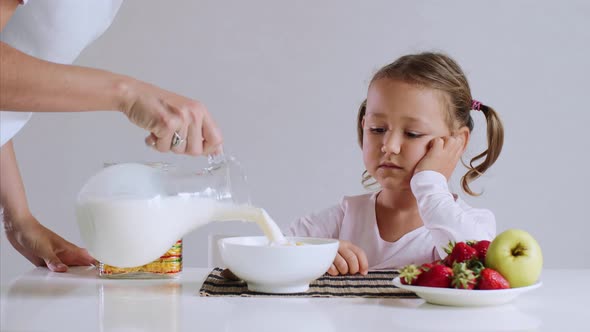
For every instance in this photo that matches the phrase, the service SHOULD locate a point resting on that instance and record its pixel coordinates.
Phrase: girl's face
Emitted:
(400, 121)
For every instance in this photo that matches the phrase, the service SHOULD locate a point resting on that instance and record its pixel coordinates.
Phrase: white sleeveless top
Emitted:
(56, 31)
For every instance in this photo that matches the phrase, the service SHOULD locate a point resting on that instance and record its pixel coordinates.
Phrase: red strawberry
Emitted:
(437, 262)
(436, 276)
(409, 274)
(463, 276)
(427, 266)
(482, 249)
(492, 279)
(461, 252)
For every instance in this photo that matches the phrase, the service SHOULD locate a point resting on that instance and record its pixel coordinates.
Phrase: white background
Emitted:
(284, 80)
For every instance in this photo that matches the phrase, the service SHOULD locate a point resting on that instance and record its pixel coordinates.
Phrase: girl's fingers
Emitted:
(437, 144)
(341, 264)
(363, 262)
(333, 271)
(351, 260)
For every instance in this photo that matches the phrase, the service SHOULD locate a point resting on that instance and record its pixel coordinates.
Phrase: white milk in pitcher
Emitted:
(131, 232)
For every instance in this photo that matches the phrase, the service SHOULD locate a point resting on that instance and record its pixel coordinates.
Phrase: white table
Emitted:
(79, 301)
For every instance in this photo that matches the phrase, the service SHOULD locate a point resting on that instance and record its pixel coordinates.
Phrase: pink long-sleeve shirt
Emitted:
(445, 218)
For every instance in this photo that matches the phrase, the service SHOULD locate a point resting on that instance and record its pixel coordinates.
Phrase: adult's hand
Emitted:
(42, 247)
(176, 123)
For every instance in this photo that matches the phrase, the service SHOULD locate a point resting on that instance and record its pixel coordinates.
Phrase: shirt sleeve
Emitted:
(444, 217)
(325, 224)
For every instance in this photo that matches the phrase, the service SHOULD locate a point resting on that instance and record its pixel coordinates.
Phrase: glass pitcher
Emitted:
(168, 266)
(131, 214)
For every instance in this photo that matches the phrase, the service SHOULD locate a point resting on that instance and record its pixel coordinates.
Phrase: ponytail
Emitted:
(495, 137)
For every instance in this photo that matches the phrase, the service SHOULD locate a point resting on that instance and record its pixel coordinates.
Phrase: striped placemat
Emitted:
(374, 284)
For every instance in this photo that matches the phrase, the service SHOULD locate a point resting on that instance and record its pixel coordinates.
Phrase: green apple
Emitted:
(517, 256)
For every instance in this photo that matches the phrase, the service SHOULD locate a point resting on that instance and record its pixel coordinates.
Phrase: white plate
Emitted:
(466, 297)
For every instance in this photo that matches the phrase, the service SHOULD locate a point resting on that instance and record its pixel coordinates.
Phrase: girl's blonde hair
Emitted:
(438, 71)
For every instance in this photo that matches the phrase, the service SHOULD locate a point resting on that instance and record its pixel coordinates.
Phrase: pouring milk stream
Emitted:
(125, 206)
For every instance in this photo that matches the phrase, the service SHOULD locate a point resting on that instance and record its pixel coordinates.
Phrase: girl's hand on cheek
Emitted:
(442, 155)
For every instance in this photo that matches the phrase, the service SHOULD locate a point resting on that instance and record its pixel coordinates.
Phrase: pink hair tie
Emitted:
(475, 105)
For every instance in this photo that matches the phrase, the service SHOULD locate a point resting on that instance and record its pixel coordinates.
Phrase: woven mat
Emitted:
(375, 284)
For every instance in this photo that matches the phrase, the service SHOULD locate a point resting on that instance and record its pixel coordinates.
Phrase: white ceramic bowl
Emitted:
(277, 269)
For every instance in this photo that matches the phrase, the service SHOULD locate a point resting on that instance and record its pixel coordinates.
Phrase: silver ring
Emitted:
(176, 140)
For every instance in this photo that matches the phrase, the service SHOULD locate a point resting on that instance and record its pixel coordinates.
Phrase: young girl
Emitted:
(413, 128)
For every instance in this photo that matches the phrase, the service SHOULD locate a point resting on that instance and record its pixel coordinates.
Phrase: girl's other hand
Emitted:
(165, 114)
(349, 260)
(442, 156)
(42, 247)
